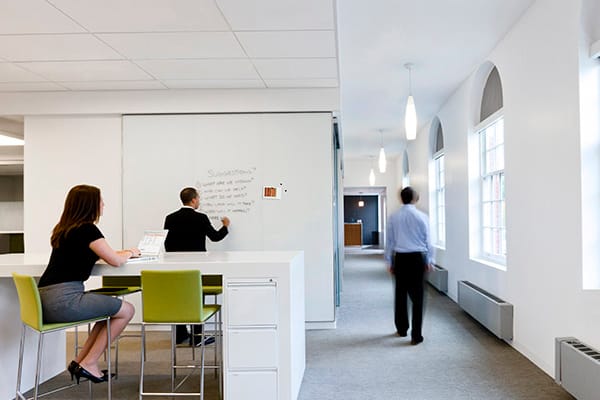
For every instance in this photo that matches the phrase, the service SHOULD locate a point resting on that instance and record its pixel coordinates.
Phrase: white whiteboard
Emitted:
(230, 158)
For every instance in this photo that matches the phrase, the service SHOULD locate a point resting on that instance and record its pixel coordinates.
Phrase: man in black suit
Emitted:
(188, 230)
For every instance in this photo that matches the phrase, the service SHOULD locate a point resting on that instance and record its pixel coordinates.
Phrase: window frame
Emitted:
(439, 191)
(487, 253)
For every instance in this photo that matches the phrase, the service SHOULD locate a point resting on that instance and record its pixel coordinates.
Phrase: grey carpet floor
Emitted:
(364, 359)
(459, 359)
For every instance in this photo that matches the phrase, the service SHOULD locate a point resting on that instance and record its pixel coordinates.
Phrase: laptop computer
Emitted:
(151, 246)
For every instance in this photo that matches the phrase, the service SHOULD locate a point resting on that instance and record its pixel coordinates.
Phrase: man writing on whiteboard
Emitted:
(187, 231)
(189, 228)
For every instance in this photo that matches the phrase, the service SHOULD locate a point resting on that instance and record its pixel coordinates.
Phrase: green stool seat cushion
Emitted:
(119, 285)
(164, 293)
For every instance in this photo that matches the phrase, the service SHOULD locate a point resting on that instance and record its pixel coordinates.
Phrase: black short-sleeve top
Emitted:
(73, 259)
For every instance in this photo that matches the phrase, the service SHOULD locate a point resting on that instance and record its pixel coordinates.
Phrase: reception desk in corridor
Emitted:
(263, 319)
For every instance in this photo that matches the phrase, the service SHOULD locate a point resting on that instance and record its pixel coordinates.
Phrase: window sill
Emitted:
(490, 263)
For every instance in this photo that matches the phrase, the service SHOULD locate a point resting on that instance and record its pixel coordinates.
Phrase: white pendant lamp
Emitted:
(382, 160)
(410, 117)
(372, 177)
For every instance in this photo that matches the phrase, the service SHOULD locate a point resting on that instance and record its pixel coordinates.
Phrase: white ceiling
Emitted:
(359, 46)
(162, 44)
(445, 40)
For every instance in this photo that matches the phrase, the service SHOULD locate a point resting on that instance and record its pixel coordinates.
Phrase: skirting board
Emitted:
(309, 326)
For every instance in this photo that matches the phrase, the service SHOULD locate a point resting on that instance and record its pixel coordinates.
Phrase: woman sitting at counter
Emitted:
(77, 244)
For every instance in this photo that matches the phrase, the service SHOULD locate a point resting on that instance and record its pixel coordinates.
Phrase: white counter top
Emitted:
(253, 281)
(35, 264)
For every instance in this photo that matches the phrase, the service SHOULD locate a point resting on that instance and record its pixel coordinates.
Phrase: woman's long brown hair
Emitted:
(82, 205)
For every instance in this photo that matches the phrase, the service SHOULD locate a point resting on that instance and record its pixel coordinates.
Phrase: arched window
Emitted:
(490, 130)
(492, 100)
(439, 185)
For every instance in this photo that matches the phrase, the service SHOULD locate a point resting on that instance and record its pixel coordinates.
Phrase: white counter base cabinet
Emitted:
(252, 348)
(263, 318)
(252, 303)
(253, 385)
(252, 337)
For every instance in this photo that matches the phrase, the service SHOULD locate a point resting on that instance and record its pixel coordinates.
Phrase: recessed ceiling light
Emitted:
(10, 141)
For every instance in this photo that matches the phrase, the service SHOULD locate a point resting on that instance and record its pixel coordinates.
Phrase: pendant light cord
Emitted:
(409, 66)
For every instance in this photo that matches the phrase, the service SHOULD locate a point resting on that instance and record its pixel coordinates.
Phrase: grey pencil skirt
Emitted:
(68, 302)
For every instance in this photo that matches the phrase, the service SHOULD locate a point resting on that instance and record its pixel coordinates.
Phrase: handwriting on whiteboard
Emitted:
(227, 192)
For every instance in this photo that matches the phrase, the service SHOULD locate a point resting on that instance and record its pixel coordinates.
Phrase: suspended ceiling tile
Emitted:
(144, 15)
(214, 84)
(67, 71)
(200, 69)
(114, 85)
(34, 16)
(12, 73)
(295, 83)
(30, 87)
(175, 45)
(288, 44)
(296, 68)
(55, 48)
(278, 14)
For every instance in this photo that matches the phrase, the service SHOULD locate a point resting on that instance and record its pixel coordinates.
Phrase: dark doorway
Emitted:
(367, 214)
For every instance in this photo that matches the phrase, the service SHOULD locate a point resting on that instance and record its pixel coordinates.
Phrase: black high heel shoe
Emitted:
(105, 375)
(72, 368)
(84, 373)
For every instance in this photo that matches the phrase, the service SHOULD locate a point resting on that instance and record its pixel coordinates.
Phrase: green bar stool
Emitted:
(176, 298)
(118, 286)
(32, 318)
(212, 285)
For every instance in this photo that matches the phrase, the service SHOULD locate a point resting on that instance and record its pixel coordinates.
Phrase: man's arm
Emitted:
(427, 237)
(167, 226)
(212, 233)
(389, 246)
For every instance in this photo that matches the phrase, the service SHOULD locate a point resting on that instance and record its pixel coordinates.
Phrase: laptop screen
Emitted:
(152, 244)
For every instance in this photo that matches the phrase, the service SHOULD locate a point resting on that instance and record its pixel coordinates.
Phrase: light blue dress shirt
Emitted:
(408, 232)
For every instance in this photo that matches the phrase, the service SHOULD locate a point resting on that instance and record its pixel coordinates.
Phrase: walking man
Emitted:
(409, 254)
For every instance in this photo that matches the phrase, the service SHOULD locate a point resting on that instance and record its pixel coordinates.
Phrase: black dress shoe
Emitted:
(84, 373)
(416, 341)
(207, 340)
(181, 334)
(402, 334)
(179, 339)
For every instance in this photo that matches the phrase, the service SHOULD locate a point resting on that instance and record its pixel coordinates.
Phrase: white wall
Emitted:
(356, 174)
(64, 151)
(169, 101)
(419, 154)
(539, 65)
(81, 142)
(275, 147)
